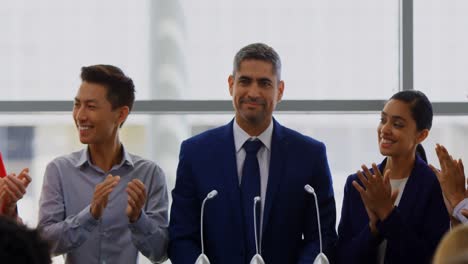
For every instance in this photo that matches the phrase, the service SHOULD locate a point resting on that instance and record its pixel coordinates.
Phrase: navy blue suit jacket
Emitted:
(290, 234)
(412, 230)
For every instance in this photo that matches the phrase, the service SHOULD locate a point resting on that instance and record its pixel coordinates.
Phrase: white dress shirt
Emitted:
(263, 156)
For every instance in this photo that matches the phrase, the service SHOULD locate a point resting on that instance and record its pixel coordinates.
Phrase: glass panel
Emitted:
(184, 49)
(356, 132)
(440, 54)
(350, 140)
(330, 49)
(43, 46)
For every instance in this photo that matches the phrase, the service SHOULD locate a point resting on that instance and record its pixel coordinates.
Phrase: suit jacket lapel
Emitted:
(276, 171)
(409, 198)
(227, 154)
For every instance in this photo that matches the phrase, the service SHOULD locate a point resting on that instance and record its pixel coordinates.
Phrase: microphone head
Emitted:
(257, 199)
(309, 189)
(321, 259)
(257, 259)
(212, 194)
(202, 259)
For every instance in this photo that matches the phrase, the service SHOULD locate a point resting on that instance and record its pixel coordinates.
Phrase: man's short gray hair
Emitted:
(258, 51)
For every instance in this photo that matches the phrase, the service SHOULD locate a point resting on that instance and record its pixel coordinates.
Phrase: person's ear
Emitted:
(123, 114)
(422, 135)
(231, 84)
(280, 91)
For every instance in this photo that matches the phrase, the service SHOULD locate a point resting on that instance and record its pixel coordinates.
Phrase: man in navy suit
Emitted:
(220, 159)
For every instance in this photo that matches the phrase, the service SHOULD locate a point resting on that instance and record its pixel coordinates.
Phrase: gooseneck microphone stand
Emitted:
(257, 258)
(321, 258)
(202, 258)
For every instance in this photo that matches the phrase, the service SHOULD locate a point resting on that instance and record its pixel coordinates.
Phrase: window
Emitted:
(440, 54)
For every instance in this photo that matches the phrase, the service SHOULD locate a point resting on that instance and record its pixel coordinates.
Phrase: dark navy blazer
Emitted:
(290, 235)
(412, 230)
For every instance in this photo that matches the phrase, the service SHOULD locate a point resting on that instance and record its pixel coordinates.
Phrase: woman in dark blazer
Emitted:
(394, 212)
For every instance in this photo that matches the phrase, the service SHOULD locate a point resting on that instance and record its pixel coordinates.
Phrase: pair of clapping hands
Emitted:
(136, 197)
(12, 189)
(379, 199)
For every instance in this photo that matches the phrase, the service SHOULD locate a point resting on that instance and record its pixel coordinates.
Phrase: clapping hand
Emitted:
(376, 193)
(101, 195)
(136, 199)
(12, 189)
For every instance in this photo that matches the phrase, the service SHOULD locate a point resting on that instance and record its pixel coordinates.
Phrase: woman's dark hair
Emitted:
(421, 111)
(21, 245)
(421, 152)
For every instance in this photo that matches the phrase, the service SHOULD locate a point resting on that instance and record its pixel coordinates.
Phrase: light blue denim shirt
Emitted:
(66, 221)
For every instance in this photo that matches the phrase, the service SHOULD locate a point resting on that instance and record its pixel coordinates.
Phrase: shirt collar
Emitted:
(240, 136)
(85, 159)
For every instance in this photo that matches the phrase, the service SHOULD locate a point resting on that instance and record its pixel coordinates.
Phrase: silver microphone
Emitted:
(257, 258)
(203, 259)
(321, 258)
